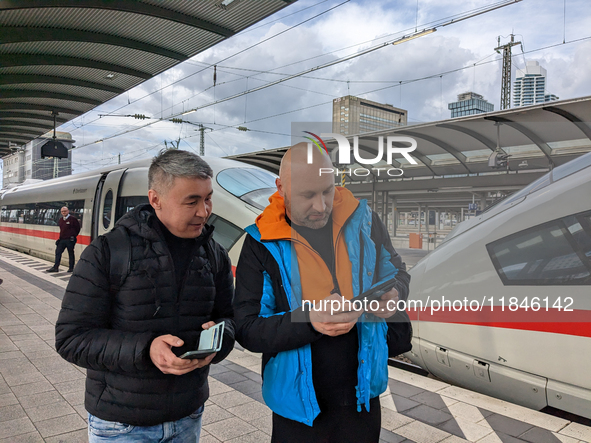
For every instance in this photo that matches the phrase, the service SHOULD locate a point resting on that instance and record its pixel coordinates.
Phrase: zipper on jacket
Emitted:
(184, 280)
(336, 243)
(333, 271)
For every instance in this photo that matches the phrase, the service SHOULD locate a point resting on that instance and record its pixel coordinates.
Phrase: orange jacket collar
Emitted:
(273, 225)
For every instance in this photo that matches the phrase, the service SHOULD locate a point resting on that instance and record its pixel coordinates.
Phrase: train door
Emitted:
(106, 198)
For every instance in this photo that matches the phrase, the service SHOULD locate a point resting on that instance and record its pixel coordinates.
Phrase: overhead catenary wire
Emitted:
(476, 10)
(135, 152)
(332, 63)
(406, 82)
(281, 18)
(396, 83)
(457, 18)
(232, 55)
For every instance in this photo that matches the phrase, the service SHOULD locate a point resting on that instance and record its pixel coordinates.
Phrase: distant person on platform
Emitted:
(69, 229)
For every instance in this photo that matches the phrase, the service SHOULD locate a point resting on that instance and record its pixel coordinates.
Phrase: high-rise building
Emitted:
(530, 86)
(469, 103)
(354, 115)
(26, 162)
(550, 97)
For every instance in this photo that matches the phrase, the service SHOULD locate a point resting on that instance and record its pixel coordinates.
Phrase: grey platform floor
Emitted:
(41, 395)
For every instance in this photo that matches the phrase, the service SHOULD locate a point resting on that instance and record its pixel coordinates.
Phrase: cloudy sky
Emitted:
(422, 75)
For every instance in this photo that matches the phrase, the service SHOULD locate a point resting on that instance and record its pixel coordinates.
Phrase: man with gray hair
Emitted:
(130, 332)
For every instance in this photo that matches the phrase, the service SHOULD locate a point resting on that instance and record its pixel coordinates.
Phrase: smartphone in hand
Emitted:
(374, 293)
(210, 341)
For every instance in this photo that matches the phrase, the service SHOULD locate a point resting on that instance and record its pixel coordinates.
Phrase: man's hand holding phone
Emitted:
(164, 359)
(336, 322)
(386, 305)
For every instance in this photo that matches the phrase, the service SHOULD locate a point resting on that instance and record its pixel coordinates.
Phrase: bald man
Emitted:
(69, 230)
(323, 370)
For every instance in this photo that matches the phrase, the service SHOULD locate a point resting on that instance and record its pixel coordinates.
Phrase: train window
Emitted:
(40, 215)
(126, 204)
(52, 216)
(226, 233)
(30, 214)
(108, 209)
(553, 253)
(254, 186)
(76, 208)
(13, 217)
(45, 213)
(51, 213)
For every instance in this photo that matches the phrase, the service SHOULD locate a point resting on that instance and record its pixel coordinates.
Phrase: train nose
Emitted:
(414, 306)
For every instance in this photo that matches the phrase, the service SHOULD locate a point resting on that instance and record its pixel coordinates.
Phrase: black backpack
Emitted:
(399, 326)
(120, 261)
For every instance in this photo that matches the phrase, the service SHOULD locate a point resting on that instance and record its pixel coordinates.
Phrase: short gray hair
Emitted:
(173, 163)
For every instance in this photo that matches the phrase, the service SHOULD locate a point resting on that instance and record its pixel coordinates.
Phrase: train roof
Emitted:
(564, 171)
(216, 164)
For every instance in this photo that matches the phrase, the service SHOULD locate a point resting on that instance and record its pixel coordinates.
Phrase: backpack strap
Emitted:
(211, 255)
(119, 244)
(400, 330)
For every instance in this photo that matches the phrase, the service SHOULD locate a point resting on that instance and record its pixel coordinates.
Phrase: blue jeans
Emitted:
(185, 430)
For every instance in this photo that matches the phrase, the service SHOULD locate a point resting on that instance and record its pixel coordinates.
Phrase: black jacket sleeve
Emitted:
(223, 309)
(381, 237)
(287, 329)
(82, 334)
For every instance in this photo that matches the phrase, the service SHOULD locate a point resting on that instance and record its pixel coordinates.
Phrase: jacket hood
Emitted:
(142, 221)
(273, 225)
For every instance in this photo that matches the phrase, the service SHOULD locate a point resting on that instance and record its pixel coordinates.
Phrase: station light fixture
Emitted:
(226, 4)
(413, 36)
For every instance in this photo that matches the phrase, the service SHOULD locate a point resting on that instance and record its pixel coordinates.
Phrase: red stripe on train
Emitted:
(576, 322)
(82, 239)
(52, 235)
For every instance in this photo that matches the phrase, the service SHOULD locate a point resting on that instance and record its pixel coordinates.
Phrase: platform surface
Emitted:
(42, 395)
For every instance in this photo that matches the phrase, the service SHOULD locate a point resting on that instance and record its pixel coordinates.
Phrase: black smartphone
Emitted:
(373, 293)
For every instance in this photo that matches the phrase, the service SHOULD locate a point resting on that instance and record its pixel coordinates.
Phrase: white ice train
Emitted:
(527, 262)
(99, 198)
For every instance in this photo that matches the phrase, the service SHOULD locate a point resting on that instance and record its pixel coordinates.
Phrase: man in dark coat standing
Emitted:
(129, 336)
(69, 229)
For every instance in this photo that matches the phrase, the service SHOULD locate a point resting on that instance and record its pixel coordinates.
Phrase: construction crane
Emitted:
(506, 78)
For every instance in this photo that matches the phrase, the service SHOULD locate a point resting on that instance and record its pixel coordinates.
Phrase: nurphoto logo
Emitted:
(344, 154)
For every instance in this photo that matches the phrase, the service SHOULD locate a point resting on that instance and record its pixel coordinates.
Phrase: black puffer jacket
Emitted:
(111, 334)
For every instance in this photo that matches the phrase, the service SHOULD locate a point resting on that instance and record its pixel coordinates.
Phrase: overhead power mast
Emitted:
(506, 78)
(202, 129)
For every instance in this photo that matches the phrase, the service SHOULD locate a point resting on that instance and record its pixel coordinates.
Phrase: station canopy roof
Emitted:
(536, 137)
(70, 56)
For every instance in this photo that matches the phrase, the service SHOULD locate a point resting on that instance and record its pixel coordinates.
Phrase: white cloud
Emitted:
(538, 23)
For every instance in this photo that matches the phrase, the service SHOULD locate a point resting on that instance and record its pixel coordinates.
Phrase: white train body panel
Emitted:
(128, 185)
(540, 360)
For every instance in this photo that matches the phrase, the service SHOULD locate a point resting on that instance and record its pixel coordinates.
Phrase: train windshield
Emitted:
(253, 186)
